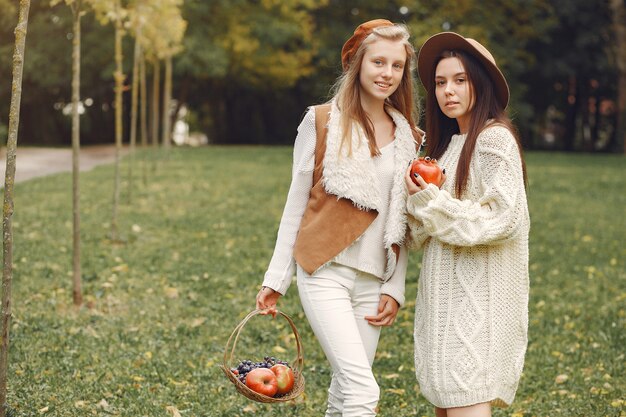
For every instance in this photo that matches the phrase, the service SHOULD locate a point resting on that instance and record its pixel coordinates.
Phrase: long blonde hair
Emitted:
(347, 89)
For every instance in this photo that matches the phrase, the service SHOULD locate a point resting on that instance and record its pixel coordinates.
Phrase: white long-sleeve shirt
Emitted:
(366, 254)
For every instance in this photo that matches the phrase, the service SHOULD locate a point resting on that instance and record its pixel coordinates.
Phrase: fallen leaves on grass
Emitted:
(129, 315)
(198, 321)
(279, 349)
(103, 404)
(173, 411)
(617, 403)
(171, 292)
(398, 391)
(383, 354)
(561, 379)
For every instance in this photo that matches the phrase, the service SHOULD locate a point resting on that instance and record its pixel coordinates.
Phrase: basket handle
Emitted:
(234, 337)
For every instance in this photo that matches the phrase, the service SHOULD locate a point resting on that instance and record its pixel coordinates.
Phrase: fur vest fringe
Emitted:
(354, 177)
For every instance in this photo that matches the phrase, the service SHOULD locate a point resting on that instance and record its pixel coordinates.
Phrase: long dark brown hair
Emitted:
(440, 128)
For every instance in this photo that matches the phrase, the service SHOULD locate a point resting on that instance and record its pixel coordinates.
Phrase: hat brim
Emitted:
(444, 41)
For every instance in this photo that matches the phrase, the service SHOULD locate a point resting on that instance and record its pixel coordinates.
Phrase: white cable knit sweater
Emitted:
(471, 314)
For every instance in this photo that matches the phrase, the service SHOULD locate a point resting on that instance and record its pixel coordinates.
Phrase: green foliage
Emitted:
(572, 62)
(250, 68)
(160, 25)
(109, 11)
(77, 6)
(505, 28)
(196, 244)
(265, 45)
(47, 76)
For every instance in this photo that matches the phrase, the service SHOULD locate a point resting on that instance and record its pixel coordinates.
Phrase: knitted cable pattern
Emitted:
(472, 304)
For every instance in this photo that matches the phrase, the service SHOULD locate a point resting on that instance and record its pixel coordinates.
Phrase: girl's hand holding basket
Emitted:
(266, 301)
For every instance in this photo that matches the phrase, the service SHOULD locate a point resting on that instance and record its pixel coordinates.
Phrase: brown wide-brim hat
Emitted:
(448, 41)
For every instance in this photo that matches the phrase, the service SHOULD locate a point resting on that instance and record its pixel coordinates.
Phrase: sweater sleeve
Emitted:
(496, 215)
(417, 233)
(282, 265)
(394, 286)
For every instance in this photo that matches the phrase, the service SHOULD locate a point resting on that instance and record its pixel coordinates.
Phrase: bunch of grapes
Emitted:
(246, 366)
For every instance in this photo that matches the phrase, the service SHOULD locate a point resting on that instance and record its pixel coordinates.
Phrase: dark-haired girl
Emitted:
(471, 313)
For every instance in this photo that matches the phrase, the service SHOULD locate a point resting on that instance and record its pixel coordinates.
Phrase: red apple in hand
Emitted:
(428, 169)
(263, 381)
(284, 378)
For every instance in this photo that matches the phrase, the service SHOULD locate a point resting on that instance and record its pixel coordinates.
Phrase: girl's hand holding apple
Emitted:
(424, 171)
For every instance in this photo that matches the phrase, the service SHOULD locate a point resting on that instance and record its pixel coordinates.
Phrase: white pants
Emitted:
(335, 301)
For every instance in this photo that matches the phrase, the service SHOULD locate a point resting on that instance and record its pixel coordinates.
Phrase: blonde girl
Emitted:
(344, 224)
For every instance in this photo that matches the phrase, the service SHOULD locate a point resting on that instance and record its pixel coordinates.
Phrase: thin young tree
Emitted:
(77, 12)
(119, 87)
(77, 293)
(172, 38)
(143, 9)
(133, 119)
(162, 39)
(149, 46)
(166, 130)
(7, 212)
(156, 94)
(136, 20)
(143, 101)
(143, 113)
(112, 11)
(618, 7)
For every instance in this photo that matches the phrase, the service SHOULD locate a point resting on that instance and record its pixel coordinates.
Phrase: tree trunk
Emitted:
(133, 114)
(119, 86)
(7, 212)
(143, 114)
(585, 116)
(572, 114)
(76, 276)
(597, 119)
(619, 21)
(156, 81)
(183, 94)
(167, 97)
(143, 101)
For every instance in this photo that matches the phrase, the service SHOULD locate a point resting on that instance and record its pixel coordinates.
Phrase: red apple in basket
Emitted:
(284, 378)
(428, 169)
(263, 381)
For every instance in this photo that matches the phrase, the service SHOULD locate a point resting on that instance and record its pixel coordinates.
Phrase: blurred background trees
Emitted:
(246, 70)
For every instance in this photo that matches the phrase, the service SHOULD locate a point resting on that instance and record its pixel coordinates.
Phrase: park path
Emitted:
(39, 162)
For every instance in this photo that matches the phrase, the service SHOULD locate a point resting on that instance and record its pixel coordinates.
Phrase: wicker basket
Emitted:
(296, 365)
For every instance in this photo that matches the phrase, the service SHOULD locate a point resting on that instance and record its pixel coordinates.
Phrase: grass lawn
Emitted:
(196, 241)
